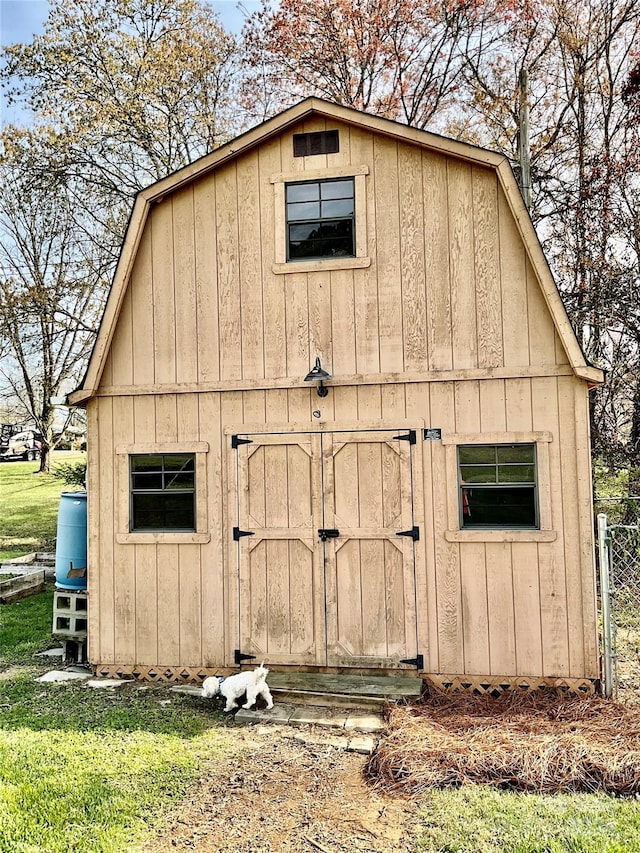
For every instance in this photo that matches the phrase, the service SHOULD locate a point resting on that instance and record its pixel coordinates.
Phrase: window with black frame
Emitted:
(497, 486)
(320, 219)
(162, 491)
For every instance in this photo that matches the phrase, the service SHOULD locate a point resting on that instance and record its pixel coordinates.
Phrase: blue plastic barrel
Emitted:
(71, 542)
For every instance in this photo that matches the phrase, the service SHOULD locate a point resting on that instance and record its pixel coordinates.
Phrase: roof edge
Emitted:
(540, 264)
(292, 115)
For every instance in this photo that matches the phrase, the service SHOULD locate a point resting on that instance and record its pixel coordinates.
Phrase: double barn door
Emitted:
(326, 541)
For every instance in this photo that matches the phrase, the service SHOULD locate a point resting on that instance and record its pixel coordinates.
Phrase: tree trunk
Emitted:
(45, 458)
(633, 489)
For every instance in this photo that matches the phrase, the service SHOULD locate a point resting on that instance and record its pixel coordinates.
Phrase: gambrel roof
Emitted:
(318, 108)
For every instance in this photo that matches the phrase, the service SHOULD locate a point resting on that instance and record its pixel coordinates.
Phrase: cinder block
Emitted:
(70, 613)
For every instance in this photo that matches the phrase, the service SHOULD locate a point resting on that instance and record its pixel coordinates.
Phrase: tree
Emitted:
(51, 286)
(398, 58)
(134, 89)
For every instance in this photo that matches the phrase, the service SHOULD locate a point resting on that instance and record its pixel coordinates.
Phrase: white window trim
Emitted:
(454, 532)
(361, 259)
(201, 533)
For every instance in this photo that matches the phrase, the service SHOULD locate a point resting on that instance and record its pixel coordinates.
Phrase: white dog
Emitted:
(252, 682)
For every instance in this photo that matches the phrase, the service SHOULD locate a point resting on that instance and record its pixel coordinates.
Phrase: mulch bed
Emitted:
(542, 742)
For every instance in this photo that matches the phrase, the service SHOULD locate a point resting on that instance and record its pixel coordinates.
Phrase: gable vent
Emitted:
(322, 142)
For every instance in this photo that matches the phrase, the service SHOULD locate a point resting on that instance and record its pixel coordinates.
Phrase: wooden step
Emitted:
(344, 691)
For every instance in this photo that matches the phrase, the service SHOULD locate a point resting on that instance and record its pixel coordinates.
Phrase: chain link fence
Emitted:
(619, 562)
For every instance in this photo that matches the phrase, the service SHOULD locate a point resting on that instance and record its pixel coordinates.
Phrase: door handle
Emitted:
(328, 533)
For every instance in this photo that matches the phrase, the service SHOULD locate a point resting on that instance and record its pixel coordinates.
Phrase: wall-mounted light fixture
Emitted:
(319, 375)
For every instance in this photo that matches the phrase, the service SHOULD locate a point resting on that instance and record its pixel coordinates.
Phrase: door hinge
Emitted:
(414, 533)
(238, 657)
(328, 533)
(417, 661)
(238, 534)
(236, 441)
(410, 437)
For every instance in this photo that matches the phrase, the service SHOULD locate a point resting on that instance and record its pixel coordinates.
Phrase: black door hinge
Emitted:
(414, 533)
(238, 534)
(328, 533)
(238, 657)
(410, 437)
(417, 661)
(236, 441)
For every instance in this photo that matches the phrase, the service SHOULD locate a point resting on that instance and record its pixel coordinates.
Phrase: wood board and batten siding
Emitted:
(445, 326)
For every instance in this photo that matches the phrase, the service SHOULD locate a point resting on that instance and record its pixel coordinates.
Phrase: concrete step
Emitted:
(341, 722)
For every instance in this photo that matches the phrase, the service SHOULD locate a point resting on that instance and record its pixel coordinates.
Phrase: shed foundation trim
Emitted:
(495, 685)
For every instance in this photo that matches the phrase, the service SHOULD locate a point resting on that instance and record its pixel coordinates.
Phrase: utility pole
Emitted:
(523, 139)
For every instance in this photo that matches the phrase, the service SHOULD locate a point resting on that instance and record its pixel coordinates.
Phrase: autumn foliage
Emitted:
(402, 59)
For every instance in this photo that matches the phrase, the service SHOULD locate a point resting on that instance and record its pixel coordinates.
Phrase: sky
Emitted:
(20, 20)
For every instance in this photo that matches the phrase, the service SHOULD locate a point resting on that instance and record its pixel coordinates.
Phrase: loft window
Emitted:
(162, 492)
(322, 142)
(320, 219)
(497, 486)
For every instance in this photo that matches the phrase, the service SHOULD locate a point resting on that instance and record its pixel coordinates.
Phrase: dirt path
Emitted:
(284, 794)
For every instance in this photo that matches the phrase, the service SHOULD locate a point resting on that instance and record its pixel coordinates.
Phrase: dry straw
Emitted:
(541, 742)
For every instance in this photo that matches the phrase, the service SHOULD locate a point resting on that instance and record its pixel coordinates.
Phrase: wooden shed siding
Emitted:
(140, 339)
(435, 192)
(229, 307)
(206, 307)
(388, 262)
(412, 259)
(461, 259)
(214, 592)
(448, 591)
(273, 307)
(186, 317)
(513, 285)
(366, 309)
(487, 269)
(483, 607)
(250, 259)
(449, 287)
(163, 305)
(445, 289)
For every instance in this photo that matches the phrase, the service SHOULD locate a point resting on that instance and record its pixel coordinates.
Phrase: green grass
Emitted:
(478, 819)
(25, 628)
(29, 506)
(89, 770)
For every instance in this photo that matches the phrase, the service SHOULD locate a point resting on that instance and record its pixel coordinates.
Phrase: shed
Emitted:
(426, 507)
